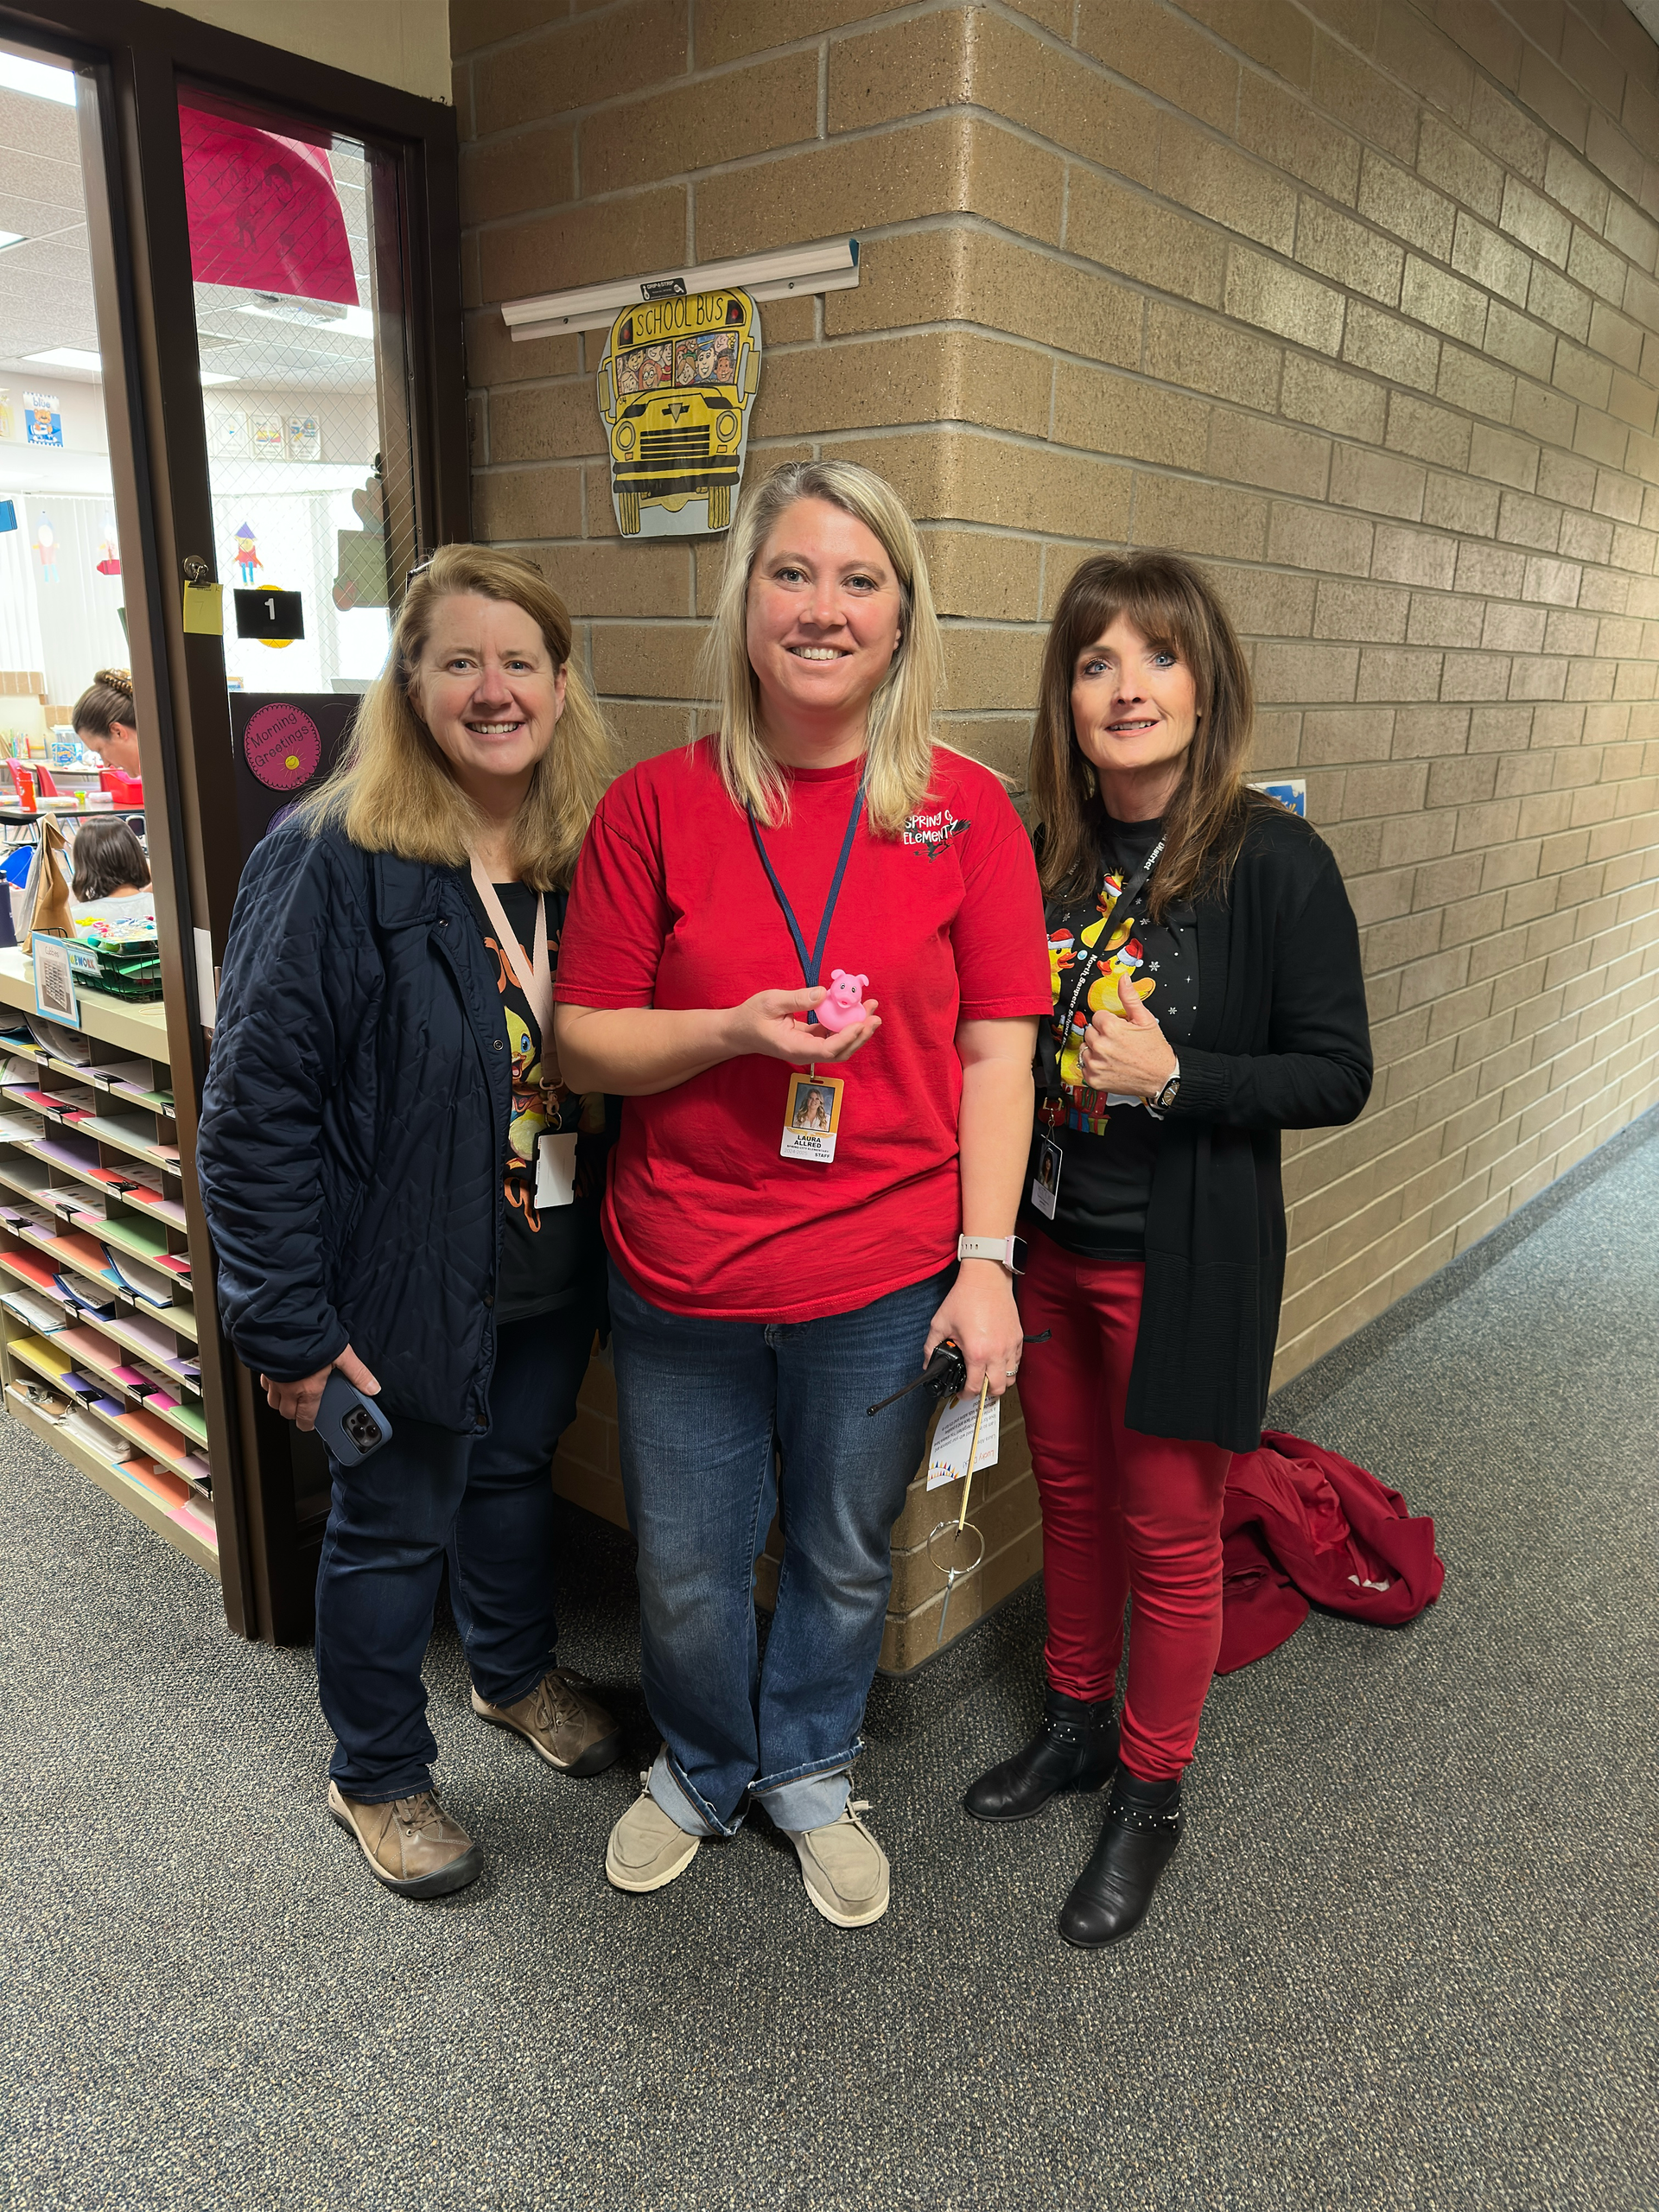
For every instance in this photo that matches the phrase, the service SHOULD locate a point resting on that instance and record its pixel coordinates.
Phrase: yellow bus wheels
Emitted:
(627, 512)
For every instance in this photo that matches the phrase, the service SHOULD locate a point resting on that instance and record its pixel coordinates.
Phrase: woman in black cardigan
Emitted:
(1207, 994)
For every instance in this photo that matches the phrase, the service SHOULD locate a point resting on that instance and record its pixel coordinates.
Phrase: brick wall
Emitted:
(1356, 301)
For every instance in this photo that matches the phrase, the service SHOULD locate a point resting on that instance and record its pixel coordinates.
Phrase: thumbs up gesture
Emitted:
(1127, 1052)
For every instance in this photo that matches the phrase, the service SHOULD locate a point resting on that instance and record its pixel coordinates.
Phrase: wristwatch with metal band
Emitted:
(1009, 1252)
(1166, 1096)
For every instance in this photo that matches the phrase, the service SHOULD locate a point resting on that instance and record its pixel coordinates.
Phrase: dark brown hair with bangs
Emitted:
(1171, 606)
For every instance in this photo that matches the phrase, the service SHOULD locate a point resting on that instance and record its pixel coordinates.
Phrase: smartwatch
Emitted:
(1167, 1096)
(1009, 1252)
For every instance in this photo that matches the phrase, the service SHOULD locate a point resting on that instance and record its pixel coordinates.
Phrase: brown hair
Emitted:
(106, 855)
(1169, 602)
(393, 792)
(106, 700)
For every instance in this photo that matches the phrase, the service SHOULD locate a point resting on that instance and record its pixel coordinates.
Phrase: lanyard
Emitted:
(1130, 891)
(810, 971)
(535, 979)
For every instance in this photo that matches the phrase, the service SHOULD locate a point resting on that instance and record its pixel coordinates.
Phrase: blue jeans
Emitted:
(701, 1405)
(484, 1501)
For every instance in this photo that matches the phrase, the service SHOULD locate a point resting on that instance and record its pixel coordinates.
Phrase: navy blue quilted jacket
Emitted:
(353, 1125)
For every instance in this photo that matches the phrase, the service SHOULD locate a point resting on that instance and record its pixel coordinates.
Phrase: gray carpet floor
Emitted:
(1405, 1958)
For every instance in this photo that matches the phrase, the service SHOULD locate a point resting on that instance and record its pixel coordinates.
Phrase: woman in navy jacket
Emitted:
(400, 1188)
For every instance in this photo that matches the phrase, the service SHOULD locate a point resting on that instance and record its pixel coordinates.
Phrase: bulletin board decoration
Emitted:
(263, 211)
(43, 418)
(227, 433)
(268, 437)
(304, 438)
(275, 736)
(246, 556)
(360, 580)
(360, 577)
(283, 745)
(46, 544)
(108, 562)
(677, 384)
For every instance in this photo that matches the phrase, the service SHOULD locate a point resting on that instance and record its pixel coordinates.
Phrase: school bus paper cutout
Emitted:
(677, 381)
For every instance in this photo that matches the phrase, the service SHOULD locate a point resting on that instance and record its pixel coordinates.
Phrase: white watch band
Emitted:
(987, 1248)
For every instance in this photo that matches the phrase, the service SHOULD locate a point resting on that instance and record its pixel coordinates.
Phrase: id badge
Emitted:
(556, 1169)
(1046, 1183)
(812, 1117)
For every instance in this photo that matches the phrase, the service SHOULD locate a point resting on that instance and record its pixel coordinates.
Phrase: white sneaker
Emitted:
(844, 1867)
(646, 1849)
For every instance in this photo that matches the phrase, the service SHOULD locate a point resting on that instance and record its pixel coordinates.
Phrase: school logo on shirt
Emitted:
(934, 830)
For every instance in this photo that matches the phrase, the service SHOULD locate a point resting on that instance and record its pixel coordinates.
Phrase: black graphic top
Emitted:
(546, 1257)
(1110, 1149)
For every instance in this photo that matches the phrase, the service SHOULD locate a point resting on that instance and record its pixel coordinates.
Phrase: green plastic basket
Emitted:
(130, 971)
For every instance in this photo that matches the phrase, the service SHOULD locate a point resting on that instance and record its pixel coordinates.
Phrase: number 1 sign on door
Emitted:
(275, 618)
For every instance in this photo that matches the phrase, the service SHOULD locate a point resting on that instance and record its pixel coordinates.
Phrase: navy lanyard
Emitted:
(810, 974)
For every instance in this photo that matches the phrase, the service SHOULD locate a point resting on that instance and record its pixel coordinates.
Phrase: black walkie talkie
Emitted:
(945, 1375)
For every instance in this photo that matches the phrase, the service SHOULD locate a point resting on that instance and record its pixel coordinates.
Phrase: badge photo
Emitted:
(811, 1117)
(1046, 1183)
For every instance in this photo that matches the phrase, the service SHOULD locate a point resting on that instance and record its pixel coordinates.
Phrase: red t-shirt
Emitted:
(671, 907)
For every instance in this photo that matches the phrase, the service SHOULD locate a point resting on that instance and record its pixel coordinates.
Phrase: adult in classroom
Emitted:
(1207, 994)
(106, 721)
(402, 1190)
(770, 1280)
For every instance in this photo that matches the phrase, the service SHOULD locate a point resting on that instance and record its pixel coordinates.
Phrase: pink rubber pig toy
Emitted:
(844, 1007)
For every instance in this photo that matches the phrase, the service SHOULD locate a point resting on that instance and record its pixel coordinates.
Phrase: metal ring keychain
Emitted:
(954, 1574)
(947, 1372)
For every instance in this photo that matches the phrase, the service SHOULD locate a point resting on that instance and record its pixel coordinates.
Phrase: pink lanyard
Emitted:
(535, 981)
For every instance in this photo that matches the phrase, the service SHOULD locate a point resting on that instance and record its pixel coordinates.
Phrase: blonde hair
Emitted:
(899, 731)
(106, 700)
(394, 790)
(1172, 604)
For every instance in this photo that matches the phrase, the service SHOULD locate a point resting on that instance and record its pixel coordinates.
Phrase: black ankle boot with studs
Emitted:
(1138, 1838)
(1075, 1748)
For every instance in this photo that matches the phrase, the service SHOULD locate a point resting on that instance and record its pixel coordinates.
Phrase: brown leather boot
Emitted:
(563, 1720)
(411, 1844)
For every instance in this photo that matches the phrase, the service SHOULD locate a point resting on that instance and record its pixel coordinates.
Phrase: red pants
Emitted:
(1123, 1515)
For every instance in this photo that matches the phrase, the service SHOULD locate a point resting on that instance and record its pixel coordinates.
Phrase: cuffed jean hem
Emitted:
(674, 1796)
(815, 1802)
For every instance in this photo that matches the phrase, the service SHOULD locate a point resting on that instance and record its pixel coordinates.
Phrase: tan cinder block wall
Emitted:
(1356, 301)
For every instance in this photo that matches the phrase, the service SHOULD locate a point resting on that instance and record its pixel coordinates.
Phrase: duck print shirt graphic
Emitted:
(546, 1253)
(1109, 1140)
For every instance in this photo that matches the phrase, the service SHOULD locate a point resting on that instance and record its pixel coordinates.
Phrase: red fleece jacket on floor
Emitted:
(1300, 1523)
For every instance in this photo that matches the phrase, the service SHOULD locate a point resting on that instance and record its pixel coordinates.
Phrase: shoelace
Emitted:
(418, 1812)
(556, 1700)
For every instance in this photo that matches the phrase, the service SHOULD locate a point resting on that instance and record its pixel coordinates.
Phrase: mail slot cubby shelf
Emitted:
(98, 1318)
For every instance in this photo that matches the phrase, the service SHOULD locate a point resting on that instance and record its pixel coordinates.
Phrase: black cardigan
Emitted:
(1281, 1041)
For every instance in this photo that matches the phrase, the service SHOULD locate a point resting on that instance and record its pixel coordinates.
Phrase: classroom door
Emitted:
(275, 249)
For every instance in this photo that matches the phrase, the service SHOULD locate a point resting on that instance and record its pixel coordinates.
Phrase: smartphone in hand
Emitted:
(351, 1425)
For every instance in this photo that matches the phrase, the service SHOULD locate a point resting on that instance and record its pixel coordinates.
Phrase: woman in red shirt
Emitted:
(770, 1278)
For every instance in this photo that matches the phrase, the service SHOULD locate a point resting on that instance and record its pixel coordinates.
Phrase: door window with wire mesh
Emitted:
(294, 247)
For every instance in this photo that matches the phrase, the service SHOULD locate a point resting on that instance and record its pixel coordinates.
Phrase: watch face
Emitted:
(1018, 1255)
